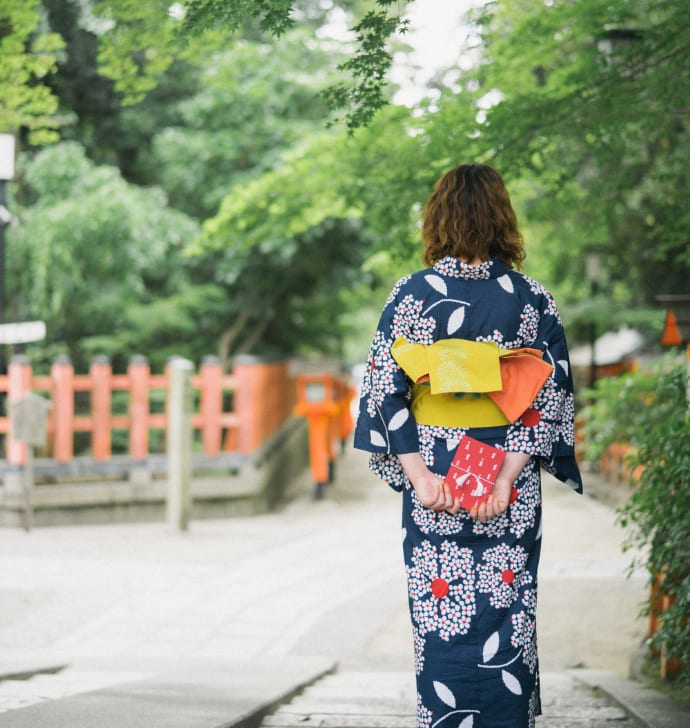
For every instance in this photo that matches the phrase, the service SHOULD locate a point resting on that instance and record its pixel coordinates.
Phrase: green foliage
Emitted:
(364, 95)
(136, 46)
(252, 102)
(231, 126)
(650, 411)
(180, 323)
(606, 177)
(626, 407)
(388, 175)
(91, 247)
(99, 259)
(273, 15)
(284, 244)
(29, 54)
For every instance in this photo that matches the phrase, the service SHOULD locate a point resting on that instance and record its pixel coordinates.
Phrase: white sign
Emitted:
(22, 333)
(6, 157)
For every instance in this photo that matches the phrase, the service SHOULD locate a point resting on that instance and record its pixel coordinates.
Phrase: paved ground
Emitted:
(139, 625)
(357, 699)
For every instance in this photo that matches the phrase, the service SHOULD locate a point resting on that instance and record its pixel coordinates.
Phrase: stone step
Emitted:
(351, 699)
(195, 694)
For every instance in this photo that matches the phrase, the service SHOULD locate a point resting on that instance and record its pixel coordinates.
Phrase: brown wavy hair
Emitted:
(469, 216)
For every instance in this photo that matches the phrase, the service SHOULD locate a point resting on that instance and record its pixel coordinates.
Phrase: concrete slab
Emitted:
(202, 695)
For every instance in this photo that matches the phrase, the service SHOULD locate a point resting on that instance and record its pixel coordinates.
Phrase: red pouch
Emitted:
(473, 471)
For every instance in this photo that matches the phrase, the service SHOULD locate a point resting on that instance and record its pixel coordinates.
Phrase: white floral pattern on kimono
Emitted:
(472, 586)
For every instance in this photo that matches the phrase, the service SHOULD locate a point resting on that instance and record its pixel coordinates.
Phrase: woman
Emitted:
(472, 576)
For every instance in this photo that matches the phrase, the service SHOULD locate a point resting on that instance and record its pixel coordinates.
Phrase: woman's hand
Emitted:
(499, 499)
(430, 488)
(497, 502)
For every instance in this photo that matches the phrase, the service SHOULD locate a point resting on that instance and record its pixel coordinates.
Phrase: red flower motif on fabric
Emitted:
(502, 574)
(530, 417)
(441, 586)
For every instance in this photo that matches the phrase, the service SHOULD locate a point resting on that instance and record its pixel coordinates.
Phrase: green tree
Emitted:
(236, 106)
(135, 44)
(358, 97)
(29, 54)
(597, 119)
(284, 245)
(91, 252)
(252, 101)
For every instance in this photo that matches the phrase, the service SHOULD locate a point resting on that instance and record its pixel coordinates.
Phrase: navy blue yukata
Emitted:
(472, 586)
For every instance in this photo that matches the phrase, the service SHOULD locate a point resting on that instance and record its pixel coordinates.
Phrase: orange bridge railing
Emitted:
(234, 412)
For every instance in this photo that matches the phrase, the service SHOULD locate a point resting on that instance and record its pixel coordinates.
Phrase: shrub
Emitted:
(650, 411)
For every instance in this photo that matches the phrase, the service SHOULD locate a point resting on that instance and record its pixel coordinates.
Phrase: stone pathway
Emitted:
(111, 610)
(358, 699)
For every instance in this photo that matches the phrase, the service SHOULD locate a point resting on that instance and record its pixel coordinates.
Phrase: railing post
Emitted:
(250, 384)
(62, 373)
(687, 381)
(264, 397)
(211, 404)
(179, 443)
(101, 373)
(18, 383)
(139, 374)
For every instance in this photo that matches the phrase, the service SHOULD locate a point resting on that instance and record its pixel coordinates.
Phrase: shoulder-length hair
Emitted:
(469, 216)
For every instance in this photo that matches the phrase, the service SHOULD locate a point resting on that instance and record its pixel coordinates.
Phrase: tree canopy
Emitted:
(209, 126)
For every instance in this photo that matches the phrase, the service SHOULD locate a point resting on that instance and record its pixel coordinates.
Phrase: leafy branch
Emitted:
(368, 67)
(360, 97)
(202, 15)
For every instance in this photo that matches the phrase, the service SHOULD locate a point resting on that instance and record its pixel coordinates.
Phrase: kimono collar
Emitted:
(454, 268)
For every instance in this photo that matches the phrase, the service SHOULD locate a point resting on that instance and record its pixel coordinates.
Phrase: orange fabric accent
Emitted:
(524, 373)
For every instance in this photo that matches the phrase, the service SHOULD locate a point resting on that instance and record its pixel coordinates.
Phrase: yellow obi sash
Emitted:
(462, 383)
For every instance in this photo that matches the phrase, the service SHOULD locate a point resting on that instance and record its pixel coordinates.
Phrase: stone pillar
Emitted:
(179, 444)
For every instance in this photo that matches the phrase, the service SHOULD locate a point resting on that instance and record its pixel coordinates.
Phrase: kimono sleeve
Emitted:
(547, 428)
(385, 425)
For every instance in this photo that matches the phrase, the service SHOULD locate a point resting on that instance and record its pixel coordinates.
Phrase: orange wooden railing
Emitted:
(263, 395)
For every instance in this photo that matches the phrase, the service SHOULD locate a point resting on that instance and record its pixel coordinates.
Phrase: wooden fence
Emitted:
(233, 412)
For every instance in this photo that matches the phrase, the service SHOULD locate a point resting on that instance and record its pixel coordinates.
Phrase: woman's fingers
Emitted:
(455, 507)
(490, 509)
(436, 495)
(445, 499)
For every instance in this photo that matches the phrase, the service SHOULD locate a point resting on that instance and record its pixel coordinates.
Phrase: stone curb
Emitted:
(203, 695)
(650, 707)
(26, 669)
